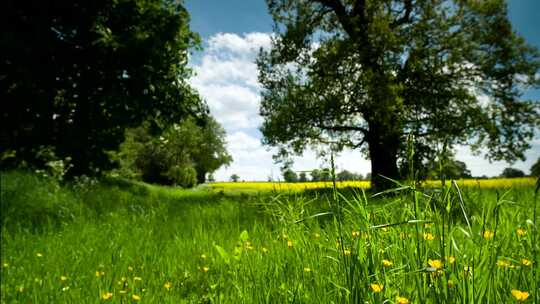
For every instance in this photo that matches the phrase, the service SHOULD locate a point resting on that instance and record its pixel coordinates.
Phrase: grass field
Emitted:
(121, 242)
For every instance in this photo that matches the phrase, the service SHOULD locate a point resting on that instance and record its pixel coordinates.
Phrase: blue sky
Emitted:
(232, 33)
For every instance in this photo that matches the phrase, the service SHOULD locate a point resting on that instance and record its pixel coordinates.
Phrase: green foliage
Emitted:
(512, 172)
(75, 74)
(182, 154)
(235, 177)
(320, 175)
(351, 73)
(346, 175)
(184, 176)
(290, 176)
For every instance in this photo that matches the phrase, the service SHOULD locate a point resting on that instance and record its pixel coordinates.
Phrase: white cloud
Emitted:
(226, 77)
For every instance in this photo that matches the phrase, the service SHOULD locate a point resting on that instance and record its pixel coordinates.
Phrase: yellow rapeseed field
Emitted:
(300, 186)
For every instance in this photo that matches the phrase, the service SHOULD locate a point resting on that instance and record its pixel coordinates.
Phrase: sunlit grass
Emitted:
(119, 242)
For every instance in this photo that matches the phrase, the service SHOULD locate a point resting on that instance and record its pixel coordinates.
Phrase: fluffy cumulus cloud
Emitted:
(226, 77)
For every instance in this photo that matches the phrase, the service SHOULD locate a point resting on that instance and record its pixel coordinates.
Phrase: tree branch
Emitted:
(406, 17)
(341, 13)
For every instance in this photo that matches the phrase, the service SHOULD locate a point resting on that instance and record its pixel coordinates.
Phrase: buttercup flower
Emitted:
(428, 237)
(488, 234)
(437, 264)
(526, 262)
(387, 263)
(402, 300)
(521, 296)
(376, 288)
(106, 296)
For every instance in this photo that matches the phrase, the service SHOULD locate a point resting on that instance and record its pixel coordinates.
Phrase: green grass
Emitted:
(118, 236)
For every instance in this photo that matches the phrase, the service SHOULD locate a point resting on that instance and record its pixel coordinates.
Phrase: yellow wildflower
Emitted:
(521, 296)
(130, 268)
(307, 269)
(451, 259)
(289, 243)
(66, 288)
(437, 264)
(137, 279)
(203, 256)
(63, 278)
(167, 285)
(503, 264)
(135, 297)
(355, 234)
(402, 300)
(376, 287)
(205, 269)
(521, 232)
(387, 263)
(384, 229)
(526, 262)
(346, 252)
(100, 273)
(316, 235)
(488, 234)
(21, 289)
(39, 255)
(106, 296)
(264, 249)
(428, 237)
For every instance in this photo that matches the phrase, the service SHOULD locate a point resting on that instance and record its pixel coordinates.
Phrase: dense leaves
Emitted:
(512, 172)
(74, 74)
(182, 154)
(367, 74)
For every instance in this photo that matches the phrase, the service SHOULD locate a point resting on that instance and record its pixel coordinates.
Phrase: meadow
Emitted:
(119, 241)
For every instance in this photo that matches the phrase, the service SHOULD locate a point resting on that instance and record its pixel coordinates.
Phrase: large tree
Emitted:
(365, 74)
(75, 73)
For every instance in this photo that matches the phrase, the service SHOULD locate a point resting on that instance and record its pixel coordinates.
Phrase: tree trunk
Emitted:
(383, 150)
(201, 177)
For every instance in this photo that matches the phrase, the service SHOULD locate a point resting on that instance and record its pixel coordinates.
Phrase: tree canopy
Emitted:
(182, 154)
(75, 73)
(512, 172)
(367, 74)
(289, 176)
